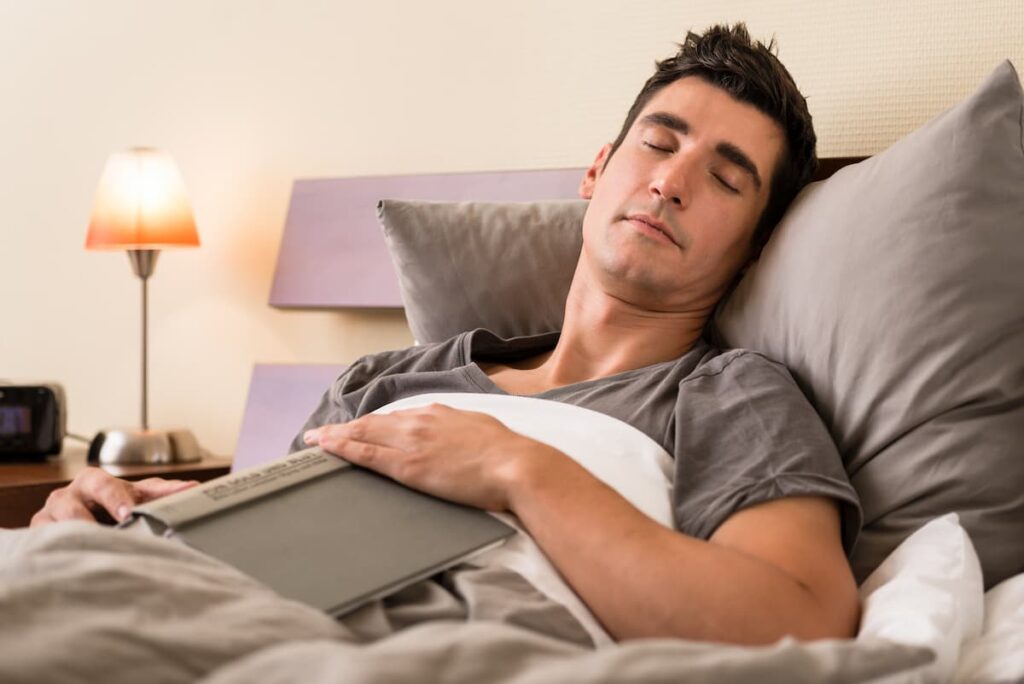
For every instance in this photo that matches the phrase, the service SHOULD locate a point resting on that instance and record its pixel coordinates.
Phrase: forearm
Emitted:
(641, 579)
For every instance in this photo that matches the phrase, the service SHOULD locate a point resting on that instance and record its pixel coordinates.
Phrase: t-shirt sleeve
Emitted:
(328, 410)
(745, 434)
(339, 403)
(368, 383)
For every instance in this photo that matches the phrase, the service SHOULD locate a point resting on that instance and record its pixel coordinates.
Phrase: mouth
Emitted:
(652, 227)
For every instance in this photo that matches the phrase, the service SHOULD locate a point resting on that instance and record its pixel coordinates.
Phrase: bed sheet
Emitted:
(83, 602)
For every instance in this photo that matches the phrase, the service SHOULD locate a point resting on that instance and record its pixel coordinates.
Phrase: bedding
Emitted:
(997, 654)
(922, 618)
(122, 608)
(928, 592)
(88, 603)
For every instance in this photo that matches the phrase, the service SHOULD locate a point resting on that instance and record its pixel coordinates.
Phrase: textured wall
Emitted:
(250, 95)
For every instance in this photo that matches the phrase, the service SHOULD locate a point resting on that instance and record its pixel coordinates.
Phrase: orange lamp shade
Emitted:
(141, 204)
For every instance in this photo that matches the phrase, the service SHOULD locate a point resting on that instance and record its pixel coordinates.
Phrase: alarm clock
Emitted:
(33, 419)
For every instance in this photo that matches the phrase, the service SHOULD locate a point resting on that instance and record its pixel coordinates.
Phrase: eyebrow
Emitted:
(724, 148)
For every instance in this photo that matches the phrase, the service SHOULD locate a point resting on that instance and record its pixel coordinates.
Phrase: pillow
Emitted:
(465, 265)
(928, 592)
(894, 292)
(996, 656)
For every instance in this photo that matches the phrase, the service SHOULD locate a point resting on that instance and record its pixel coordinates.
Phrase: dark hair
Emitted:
(726, 58)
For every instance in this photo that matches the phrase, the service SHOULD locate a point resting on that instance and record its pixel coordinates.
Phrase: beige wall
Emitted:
(249, 95)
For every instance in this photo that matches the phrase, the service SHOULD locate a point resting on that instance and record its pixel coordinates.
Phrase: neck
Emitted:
(603, 335)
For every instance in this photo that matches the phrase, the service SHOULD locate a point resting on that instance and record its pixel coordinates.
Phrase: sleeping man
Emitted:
(714, 148)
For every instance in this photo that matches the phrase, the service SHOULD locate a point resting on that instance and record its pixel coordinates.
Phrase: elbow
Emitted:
(848, 618)
(814, 620)
(833, 617)
(824, 620)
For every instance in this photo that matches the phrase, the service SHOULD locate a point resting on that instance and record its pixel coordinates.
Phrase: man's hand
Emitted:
(94, 492)
(463, 456)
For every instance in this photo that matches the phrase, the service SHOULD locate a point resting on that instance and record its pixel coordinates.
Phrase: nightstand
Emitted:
(25, 486)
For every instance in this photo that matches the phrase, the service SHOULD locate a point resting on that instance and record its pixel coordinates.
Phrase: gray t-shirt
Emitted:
(740, 430)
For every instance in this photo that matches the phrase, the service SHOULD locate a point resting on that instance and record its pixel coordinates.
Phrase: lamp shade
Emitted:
(141, 204)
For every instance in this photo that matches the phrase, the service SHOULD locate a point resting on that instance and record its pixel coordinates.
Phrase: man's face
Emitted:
(672, 214)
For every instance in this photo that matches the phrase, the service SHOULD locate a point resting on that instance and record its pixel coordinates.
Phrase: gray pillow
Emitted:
(465, 265)
(894, 291)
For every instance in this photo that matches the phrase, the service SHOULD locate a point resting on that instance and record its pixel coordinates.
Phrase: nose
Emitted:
(669, 183)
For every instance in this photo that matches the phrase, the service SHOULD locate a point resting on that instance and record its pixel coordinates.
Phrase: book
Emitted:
(321, 530)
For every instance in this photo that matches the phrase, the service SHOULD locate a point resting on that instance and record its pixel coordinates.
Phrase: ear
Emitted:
(586, 189)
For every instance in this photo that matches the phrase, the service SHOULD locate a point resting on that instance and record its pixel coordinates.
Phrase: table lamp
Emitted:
(141, 207)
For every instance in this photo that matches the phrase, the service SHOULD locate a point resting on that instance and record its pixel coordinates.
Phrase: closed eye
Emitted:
(656, 147)
(727, 186)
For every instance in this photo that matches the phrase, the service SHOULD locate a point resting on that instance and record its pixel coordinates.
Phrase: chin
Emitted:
(637, 285)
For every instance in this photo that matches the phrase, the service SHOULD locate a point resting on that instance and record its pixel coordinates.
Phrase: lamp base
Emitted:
(123, 446)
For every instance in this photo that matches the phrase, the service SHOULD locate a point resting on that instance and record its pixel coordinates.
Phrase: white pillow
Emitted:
(998, 654)
(928, 592)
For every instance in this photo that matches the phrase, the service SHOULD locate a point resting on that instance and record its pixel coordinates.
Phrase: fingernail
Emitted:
(310, 436)
(122, 512)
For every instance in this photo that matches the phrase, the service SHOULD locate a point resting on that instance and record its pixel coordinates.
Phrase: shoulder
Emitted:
(738, 374)
(742, 392)
(731, 363)
(419, 358)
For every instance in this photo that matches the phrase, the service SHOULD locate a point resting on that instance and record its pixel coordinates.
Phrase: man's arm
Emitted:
(773, 569)
(770, 570)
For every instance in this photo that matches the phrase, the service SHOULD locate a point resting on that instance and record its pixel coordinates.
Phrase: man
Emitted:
(714, 148)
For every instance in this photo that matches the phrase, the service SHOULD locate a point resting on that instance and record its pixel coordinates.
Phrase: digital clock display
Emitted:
(15, 420)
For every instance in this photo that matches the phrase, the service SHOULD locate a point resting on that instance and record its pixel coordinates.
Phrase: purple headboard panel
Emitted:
(333, 253)
(281, 397)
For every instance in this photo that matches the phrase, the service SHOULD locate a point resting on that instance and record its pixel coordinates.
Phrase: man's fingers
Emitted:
(95, 494)
(41, 518)
(383, 459)
(156, 487)
(63, 505)
(401, 430)
(75, 510)
(375, 429)
(97, 488)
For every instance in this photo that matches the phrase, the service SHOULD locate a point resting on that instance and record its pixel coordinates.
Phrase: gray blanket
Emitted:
(84, 603)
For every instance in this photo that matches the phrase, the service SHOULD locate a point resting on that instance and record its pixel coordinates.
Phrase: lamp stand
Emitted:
(144, 446)
(143, 262)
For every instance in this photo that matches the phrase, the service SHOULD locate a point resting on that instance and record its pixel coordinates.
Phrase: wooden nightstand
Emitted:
(25, 486)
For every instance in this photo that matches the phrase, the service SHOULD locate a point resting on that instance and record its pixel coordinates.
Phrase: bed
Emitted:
(892, 290)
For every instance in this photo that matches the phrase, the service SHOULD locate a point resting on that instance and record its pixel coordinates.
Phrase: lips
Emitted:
(654, 224)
